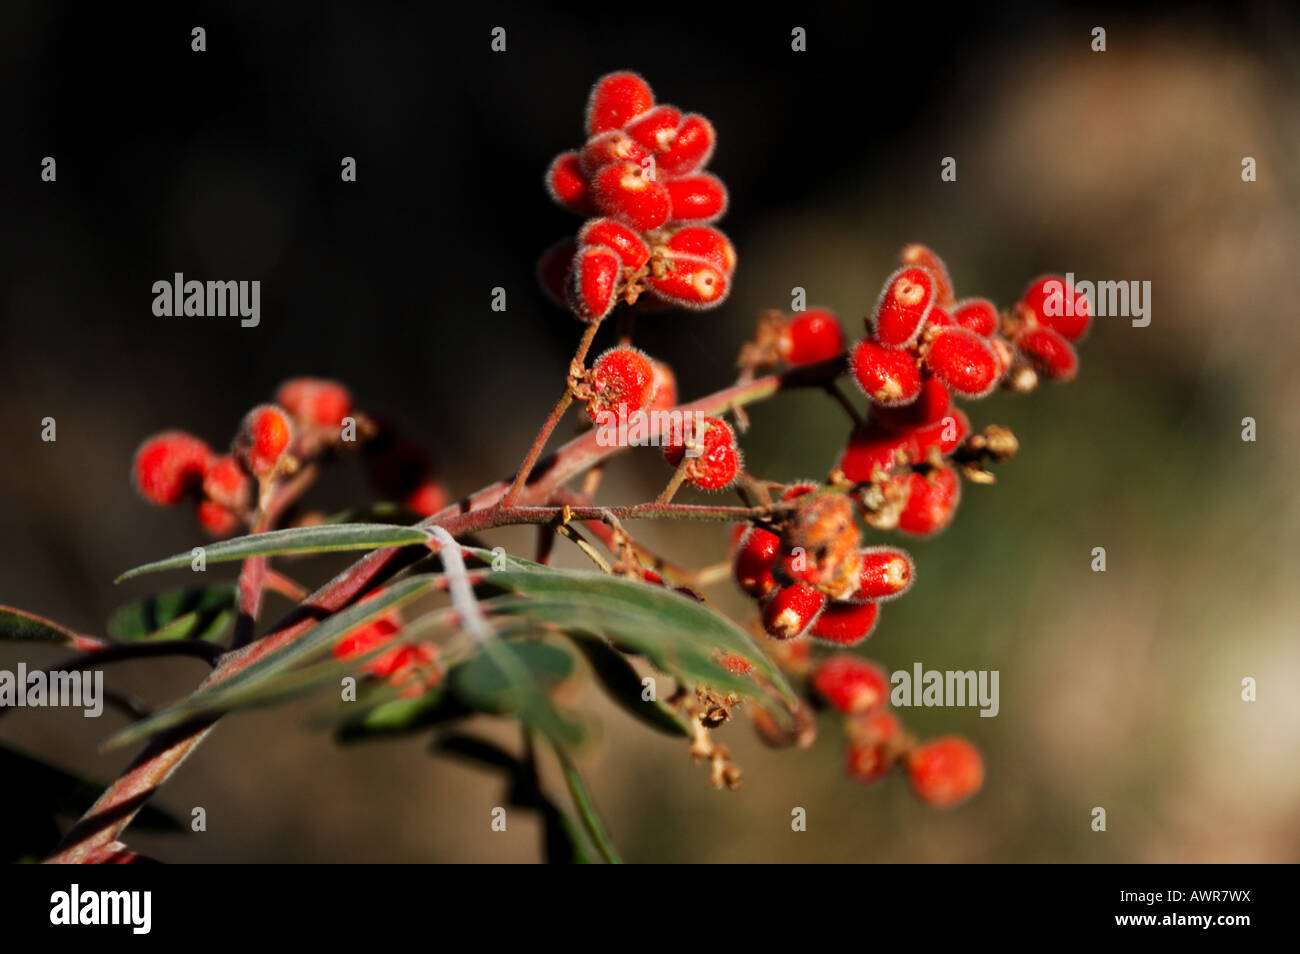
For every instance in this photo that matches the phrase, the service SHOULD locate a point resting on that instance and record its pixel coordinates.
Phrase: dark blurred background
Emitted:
(1118, 689)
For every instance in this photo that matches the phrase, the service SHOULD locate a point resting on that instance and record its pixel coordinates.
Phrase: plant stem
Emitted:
(587, 811)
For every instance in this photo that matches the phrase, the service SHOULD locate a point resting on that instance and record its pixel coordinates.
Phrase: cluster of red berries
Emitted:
(639, 177)
(942, 772)
(411, 668)
(813, 576)
(307, 419)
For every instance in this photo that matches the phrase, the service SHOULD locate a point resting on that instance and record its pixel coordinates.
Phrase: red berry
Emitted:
(665, 387)
(593, 282)
(868, 757)
(871, 447)
(217, 520)
(755, 557)
(625, 191)
(226, 483)
(169, 466)
(691, 282)
(811, 336)
(1004, 352)
(937, 318)
(628, 245)
(616, 99)
(886, 572)
(932, 499)
(718, 462)
(703, 241)
(697, 198)
(887, 376)
(902, 307)
(978, 315)
(263, 439)
(656, 129)
(1050, 354)
(1054, 303)
(567, 185)
(315, 402)
(553, 270)
(931, 406)
(846, 624)
(946, 771)
(427, 499)
(622, 379)
(791, 610)
(922, 256)
(612, 146)
(963, 361)
(690, 148)
(851, 684)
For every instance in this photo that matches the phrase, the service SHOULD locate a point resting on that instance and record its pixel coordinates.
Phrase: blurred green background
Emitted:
(1118, 689)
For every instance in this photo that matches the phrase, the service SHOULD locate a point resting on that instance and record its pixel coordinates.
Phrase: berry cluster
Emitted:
(943, 772)
(411, 668)
(305, 423)
(812, 576)
(639, 179)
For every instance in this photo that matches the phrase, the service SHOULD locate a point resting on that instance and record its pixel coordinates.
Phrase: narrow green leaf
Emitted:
(20, 626)
(319, 539)
(623, 684)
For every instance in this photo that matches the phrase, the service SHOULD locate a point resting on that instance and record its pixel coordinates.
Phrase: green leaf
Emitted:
(515, 677)
(20, 626)
(281, 673)
(197, 612)
(393, 717)
(320, 539)
(623, 684)
(680, 636)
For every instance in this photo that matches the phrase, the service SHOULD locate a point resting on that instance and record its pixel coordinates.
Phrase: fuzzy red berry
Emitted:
(263, 439)
(628, 245)
(963, 361)
(690, 148)
(886, 572)
(427, 499)
(851, 684)
(594, 277)
(791, 610)
(217, 520)
(1052, 302)
(755, 557)
(625, 191)
(315, 402)
(697, 198)
(887, 376)
(655, 129)
(810, 336)
(613, 146)
(226, 483)
(567, 184)
(616, 99)
(872, 745)
(932, 500)
(932, 404)
(169, 466)
(873, 448)
(978, 315)
(846, 624)
(1051, 355)
(946, 771)
(691, 282)
(718, 461)
(665, 398)
(925, 258)
(703, 241)
(621, 379)
(902, 307)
